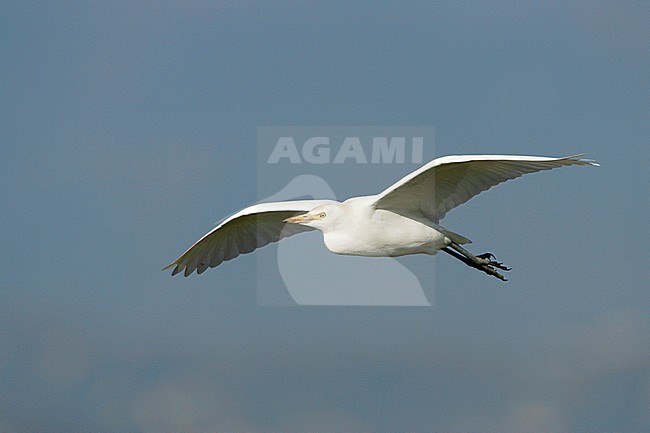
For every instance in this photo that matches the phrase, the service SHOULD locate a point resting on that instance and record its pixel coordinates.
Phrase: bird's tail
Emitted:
(459, 239)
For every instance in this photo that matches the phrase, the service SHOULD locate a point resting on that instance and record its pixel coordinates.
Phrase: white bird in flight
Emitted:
(403, 219)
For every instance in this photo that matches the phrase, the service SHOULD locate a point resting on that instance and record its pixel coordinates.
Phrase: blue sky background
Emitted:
(129, 128)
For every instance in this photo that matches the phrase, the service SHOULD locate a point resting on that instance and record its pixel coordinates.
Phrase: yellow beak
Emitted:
(299, 219)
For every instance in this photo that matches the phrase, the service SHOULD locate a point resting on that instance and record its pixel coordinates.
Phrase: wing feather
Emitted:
(242, 233)
(447, 182)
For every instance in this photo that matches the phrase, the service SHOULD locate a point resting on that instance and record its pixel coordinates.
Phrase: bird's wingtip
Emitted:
(582, 161)
(176, 270)
(591, 162)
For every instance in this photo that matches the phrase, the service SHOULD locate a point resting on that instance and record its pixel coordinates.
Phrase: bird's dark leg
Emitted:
(481, 262)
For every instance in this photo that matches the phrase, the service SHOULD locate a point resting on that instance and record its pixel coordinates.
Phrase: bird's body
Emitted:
(380, 233)
(387, 234)
(401, 220)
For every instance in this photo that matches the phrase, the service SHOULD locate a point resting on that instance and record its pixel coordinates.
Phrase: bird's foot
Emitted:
(491, 271)
(485, 262)
(487, 259)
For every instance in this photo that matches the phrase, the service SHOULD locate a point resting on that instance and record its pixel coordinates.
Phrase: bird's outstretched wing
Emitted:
(243, 232)
(449, 181)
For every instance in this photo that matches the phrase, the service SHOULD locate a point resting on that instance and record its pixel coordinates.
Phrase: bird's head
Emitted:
(321, 217)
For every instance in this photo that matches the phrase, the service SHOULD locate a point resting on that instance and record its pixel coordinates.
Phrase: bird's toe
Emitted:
(489, 259)
(486, 256)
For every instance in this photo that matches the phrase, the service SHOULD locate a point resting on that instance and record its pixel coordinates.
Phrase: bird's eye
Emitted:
(322, 215)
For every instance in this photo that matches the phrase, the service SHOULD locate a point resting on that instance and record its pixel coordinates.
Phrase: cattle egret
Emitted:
(403, 219)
